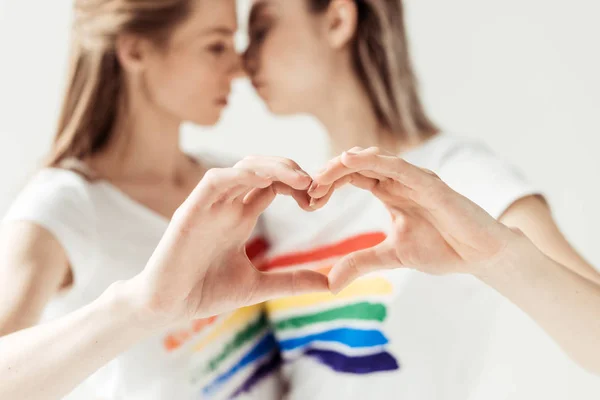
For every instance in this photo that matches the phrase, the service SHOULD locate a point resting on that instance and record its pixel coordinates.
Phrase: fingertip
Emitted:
(302, 182)
(310, 281)
(337, 280)
(349, 159)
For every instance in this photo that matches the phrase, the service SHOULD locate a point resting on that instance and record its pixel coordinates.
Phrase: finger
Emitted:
(319, 202)
(218, 181)
(392, 167)
(333, 171)
(283, 284)
(360, 263)
(364, 182)
(360, 180)
(236, 193)
(252, 195)
(293, 164)
(258, 201)
(277, 170)
(336, 170)
(299, 196)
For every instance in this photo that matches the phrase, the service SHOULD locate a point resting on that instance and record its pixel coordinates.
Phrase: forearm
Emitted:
(565, 304)
(49, 360)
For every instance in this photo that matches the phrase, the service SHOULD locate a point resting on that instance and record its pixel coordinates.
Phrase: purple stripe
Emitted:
(260, 350)
(264, 370)
(378, 362)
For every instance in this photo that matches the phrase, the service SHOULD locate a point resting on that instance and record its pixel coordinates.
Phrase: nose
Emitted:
(250, 62)
(237, 69)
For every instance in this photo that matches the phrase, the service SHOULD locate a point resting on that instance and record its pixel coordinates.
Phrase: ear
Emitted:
(342, 19)
(132, 52)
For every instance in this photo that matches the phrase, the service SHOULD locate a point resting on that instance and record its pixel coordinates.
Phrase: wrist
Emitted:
(519, 259)
(130, 300)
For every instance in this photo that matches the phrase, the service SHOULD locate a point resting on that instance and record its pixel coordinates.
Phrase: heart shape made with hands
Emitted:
(433, 229)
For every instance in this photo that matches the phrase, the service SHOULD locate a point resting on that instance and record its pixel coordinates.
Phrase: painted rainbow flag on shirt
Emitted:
(344, 331)
(232, 353)
(243, 351)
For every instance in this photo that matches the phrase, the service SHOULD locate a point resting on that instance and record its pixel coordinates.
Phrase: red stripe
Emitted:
(256, 247)
(355, 243)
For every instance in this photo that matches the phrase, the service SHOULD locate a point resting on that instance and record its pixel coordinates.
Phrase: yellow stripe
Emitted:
(362, 287)
(230, 324)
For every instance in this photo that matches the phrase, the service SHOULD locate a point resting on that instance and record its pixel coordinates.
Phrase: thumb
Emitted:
(283, 284)
(360, 263)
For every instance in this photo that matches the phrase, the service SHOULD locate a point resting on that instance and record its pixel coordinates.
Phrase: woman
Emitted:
(183, 280)
(116, 175)
(401, 334)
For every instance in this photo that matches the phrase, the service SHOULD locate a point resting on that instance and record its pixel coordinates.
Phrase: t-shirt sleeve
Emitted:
(60, 205)
(478, 174)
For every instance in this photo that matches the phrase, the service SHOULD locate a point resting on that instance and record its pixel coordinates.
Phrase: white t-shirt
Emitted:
(396, 334)
(108, 237)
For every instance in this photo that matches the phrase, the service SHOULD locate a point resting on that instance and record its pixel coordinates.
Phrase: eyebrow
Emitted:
(257, 10)
(220, 30)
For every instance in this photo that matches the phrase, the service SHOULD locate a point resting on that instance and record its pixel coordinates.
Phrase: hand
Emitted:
(434, 229)
(200, 267)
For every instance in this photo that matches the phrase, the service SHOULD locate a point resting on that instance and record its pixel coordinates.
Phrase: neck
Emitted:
(350, 119)
(144, 146)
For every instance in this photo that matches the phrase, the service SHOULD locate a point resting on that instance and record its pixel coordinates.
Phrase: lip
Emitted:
(257, 84)
(222, 101)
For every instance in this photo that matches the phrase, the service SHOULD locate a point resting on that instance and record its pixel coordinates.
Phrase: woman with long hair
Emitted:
(419, 332)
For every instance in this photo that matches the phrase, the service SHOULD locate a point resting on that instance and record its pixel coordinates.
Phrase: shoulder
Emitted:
(55, 204)
(474, 170)
(52, 192)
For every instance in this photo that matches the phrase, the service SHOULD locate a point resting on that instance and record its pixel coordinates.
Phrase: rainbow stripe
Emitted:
(354, 338)
(333, 329)
(265, 369)
(358, 311)
(378, 362)
(240, 339)
(358, 242)
(376, 287)
(248, 341)
(263, 348)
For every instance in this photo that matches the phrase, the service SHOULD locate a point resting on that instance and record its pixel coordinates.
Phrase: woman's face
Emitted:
(289, 59)
(191, 78)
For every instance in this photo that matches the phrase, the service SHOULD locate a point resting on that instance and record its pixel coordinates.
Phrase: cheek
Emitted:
(185, 90)
(292, 65)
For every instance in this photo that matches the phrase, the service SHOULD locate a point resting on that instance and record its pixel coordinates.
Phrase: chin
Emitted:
(281, 108)
(206, 120)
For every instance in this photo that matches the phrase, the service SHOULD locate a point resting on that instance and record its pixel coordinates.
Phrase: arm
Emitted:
(562, 302)
(33, 266)
(198, 269)
(438, 231)
(49, 360)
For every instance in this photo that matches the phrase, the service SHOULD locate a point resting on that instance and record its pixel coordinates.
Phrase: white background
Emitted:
(521, 75)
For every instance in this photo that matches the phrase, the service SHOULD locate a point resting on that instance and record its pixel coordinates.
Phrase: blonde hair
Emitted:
(95, 82)
(382, 61)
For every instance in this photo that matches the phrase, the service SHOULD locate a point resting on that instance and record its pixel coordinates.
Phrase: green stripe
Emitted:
(238, 341)
(359, 311)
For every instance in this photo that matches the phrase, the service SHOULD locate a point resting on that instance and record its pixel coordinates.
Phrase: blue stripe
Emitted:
(261, 349)
(355, 338)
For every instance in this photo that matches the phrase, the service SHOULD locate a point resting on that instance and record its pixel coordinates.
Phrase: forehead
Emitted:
(280, 7)
(209, 17)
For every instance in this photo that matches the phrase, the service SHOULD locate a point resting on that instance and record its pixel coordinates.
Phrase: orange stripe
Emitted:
(347, 246)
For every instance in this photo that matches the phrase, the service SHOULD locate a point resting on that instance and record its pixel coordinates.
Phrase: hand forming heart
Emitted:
(434, 230)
